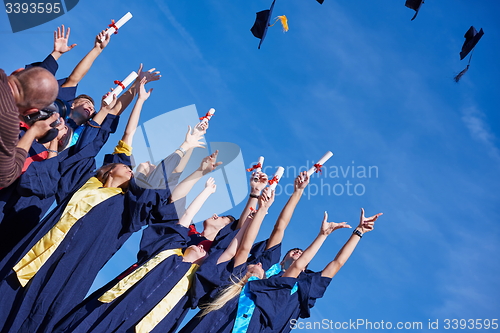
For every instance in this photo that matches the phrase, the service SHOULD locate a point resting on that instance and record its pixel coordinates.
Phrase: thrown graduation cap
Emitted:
(261, 24)
(471, 39)
(320, 1)
(415, 5)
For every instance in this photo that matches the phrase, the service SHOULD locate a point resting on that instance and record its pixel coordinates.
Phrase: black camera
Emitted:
(58, 106)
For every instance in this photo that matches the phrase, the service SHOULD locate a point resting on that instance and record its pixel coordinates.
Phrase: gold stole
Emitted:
(163, 307)
(127, 282)
(87, 197)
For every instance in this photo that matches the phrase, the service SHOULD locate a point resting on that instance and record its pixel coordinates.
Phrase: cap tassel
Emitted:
(459, 75)
(284, 22)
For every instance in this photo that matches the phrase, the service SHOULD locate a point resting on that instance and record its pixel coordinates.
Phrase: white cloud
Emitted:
(475, 121)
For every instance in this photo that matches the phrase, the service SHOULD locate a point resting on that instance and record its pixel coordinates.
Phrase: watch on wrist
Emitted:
(357, 232)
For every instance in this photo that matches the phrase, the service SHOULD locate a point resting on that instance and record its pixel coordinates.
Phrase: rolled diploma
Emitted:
(277, 175)
(322, 161)
(261, 162)
(209, 115)
(119, 24)
(128, 80)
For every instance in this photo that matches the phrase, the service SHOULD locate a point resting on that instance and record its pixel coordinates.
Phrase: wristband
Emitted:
(182, 151)
(357, 232)
(254, 196)
(53, 151)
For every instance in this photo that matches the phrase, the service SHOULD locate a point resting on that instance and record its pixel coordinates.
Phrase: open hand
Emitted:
(210, 185)
(329, 227)
(61, 40)
(367, 223)
(209, 163)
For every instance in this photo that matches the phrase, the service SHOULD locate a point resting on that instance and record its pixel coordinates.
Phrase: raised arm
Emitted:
(366, 224)
(163, 175)
(199, 129)
(133, 120)
(113, 108)
(61, 42)
(266, 199)
(126, 98)
(84, 65)
(231, 250)
(257, 183)
(286, 214)
(326, 229)
(195, 206)
(208, 164)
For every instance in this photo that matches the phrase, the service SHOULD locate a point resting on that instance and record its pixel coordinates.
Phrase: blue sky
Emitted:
(360, 80)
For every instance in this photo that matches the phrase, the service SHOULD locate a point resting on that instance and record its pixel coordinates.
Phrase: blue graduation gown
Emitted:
(27, 200)
(64, 280)
(276, 306)
(222, 320)
(123, 313)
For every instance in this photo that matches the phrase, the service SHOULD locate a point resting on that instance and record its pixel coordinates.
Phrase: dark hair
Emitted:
(86, 97)
(65, 140)
(230, 217)
(294, 249)
(102, 174)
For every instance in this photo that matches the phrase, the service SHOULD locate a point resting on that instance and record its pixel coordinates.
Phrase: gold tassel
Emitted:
(284, 22)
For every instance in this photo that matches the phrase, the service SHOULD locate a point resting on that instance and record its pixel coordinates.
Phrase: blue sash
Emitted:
(246, 305)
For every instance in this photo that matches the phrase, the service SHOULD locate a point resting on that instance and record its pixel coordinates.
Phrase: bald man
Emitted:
(22, 93)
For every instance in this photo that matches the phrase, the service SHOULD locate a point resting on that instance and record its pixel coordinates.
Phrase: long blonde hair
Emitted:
(224, 296)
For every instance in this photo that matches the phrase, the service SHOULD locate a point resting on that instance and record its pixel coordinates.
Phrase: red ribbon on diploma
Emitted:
(206, 116)
(318, 168)
(274, 180)
(120, 84)
(256, 166)
(112, 25)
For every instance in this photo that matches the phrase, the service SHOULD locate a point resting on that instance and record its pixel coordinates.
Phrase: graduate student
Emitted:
(274, 303)
(52, 270)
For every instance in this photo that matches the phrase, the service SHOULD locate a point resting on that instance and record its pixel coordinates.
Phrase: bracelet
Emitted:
(182, 151)
(254, 196)
(53, 151)
(357, 232)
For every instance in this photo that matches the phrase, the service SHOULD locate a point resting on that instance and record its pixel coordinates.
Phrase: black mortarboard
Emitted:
(261, 24)
(471, 39)
(415, 5)
(320, 1)
(262, 20)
